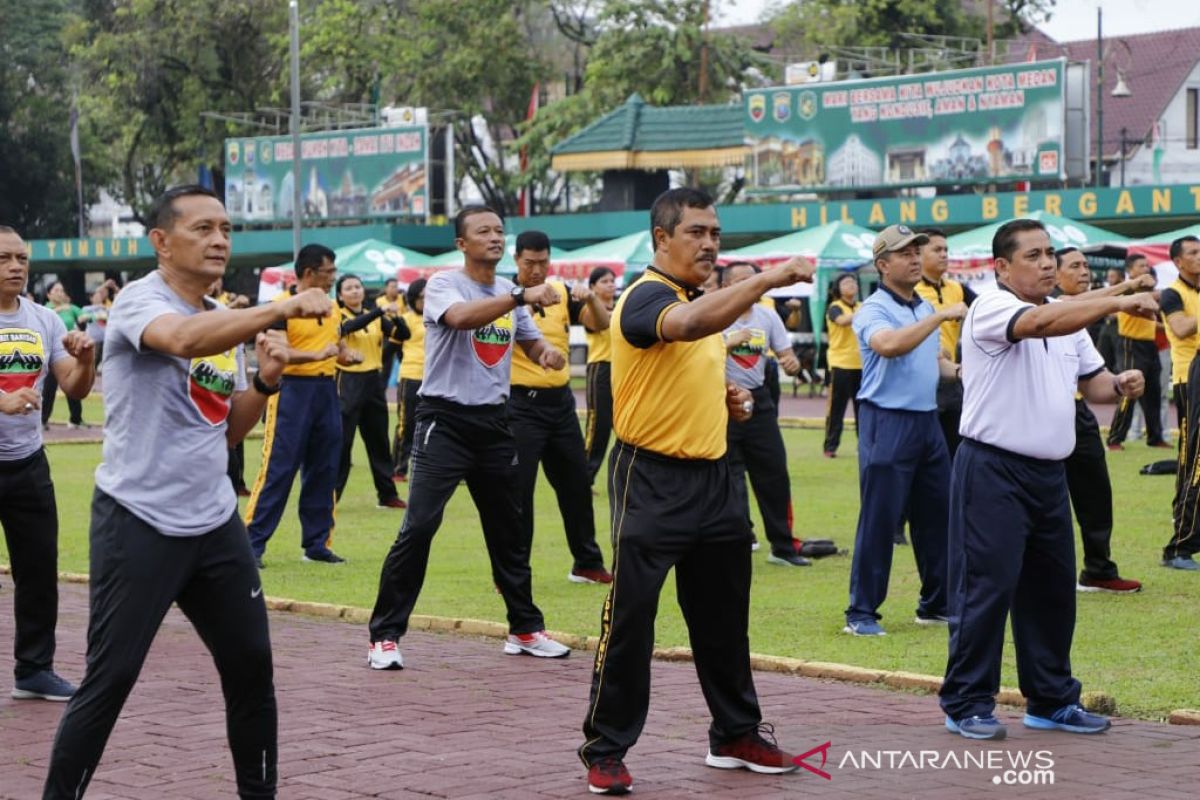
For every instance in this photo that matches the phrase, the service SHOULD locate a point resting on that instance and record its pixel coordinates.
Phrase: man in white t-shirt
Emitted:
(1011, 544)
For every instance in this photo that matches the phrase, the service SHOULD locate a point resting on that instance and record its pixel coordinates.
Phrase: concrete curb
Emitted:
(1099, 702)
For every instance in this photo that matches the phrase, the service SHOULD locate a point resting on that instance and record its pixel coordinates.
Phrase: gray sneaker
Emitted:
(44, 685)
(535, 644)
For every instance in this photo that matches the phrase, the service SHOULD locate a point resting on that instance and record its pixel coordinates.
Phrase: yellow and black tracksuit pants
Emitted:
(304, 428)
(547, 432)
(671, 513)
(843, 389)
(599, 415)
(453, 442)
(29, 516)
(406, 410)
(1091, 495)
(1143, 355)
(364, 410)
(1185, 539)
(756, 449)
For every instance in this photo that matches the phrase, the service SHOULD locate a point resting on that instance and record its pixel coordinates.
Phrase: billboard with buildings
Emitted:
(985, 125)
(354, 174)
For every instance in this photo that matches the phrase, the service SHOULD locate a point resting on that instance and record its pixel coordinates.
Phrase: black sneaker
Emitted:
(44, 685)
(788, 560)
(326, 557)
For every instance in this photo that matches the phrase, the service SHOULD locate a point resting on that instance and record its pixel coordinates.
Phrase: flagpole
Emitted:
(294, 25)
(76, 155)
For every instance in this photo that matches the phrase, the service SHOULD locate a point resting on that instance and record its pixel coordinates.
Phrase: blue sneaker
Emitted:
(1186, 563)
(1072, 719)
(867, 627)
(978, 728)
(44, 685)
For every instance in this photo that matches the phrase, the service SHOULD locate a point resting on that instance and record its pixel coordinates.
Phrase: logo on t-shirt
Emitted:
(492, 341)
(22, 357)
(747, 354)
(210, 385)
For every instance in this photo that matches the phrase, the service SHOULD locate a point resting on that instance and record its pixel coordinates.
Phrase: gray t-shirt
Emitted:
(746, 364)
(164, 431)
(31, 339)
(470, 367)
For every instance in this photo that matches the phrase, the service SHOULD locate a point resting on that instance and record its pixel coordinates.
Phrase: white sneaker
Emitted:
(385, 655)
(535, 644)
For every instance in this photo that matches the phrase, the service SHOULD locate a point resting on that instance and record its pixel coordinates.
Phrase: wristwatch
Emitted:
(518, 295)
(262, 388)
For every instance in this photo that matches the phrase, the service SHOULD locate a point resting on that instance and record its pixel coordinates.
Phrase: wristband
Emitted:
(262, 388)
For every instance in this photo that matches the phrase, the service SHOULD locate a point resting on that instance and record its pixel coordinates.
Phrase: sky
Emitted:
(1073, 19)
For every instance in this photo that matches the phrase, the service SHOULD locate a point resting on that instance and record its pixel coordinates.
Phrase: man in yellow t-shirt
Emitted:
(541, 411)
(304, 424)
(1136, 349)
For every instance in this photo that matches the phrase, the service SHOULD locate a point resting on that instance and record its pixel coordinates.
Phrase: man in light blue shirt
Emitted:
(903, 463)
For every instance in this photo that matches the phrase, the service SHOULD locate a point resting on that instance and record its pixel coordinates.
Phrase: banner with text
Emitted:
(961, 127)
(358, 174)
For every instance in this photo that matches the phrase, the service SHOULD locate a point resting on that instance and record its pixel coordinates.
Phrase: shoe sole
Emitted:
(729, 762)
(516, 650)
(853, 632)
(930, 622)
(996, 737)
(397, 508)
(1079, 587)
(785, 563)
(321, 561)
(612, 790)
(22, 694)
(1169, 565)
(1041, 724)
(389, 666)
(573, 578)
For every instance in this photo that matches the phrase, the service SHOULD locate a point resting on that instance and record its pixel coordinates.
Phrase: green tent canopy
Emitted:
(836, 244)
(973, 248)
(374, 261)
(507, 265)
(634, 251)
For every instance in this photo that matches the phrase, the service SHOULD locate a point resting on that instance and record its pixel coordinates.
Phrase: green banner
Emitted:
(359, 174)
(960, 127)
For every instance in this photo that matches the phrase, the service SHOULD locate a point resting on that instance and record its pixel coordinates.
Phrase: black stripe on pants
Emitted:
(1185, 539)
(1091, 495)
(547, 432)
(29, 516)
(406, 419)
(756, 448)
(599, 415)
(1180, 392)
(136, 574)
(844, 385)
(364, 410)
(682, 514)
(1012, 547)
(1143, 355)
(453, 442)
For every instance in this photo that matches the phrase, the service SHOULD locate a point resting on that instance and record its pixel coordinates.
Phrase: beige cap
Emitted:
(897, 237)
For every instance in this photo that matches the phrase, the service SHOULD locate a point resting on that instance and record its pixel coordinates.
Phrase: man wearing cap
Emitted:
(1011, 542)
(903, 463)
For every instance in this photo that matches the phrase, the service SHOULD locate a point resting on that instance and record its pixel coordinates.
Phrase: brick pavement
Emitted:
(466, 721)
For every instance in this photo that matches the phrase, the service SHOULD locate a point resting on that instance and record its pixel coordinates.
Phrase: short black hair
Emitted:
(835, 284)
(1004, 243)
(1062, 253)
(1177, 245)
(727, 269)
(311, 257)
(162, 212)
(932, 232)
(8, 229)
(414, 291)
(668, 207)
(531, 240)
(460, 219)
(391, 280)
(1133, 258)
(598, 274)
(341, 280)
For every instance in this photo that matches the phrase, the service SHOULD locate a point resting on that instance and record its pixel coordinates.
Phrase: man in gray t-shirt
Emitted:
(165, 527)
(756, 445)
(34, 345)
(471, 319)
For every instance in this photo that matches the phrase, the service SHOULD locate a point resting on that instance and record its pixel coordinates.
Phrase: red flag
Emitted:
(526, 199)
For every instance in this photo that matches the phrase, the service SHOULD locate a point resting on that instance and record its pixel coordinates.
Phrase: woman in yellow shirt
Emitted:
(412, 371)
(361, 388)
(845, 362)
(603, 282)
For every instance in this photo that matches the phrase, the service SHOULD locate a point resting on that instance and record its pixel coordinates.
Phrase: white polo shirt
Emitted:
(1019, 395)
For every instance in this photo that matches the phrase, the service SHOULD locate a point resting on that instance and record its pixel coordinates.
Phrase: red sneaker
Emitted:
(1116, 585)
(242, 492)
(1164, 445)
(400, 477)
(1115, 447)
(609, 776)
(594, 575)
(394, 502)
(755, 751)
(830, 454)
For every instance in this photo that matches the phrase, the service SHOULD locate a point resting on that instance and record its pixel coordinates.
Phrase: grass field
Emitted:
(1139, 648)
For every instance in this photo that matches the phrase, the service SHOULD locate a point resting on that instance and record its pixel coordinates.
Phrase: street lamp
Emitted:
(1120, 90)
